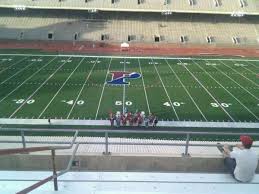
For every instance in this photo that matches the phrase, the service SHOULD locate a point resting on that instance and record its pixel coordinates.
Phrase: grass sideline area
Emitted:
(41, 86)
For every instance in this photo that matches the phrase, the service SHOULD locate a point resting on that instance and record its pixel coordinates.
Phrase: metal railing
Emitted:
(106, 134)
(53, 149)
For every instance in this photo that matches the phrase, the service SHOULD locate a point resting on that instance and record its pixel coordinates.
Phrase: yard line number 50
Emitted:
(119, 103)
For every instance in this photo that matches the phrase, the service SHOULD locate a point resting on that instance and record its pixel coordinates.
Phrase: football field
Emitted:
(89, 87)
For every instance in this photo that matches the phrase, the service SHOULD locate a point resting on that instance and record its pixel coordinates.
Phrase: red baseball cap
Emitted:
(246, 140)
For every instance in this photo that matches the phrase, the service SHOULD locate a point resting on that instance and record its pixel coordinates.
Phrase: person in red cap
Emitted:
(242, 162)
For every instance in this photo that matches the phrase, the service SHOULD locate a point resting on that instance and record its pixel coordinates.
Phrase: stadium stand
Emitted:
(123, 26)
(164, 168)
(166, 6)
(145, 183)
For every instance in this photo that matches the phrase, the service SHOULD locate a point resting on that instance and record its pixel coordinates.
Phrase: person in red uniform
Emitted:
(124, 120)
(111, 118)
(151, 118)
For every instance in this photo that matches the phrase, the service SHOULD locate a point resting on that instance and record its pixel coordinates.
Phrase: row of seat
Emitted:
(213, 6)
(127, 182)
(130, 27)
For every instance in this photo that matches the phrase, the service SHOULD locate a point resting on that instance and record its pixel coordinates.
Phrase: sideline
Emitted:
(189, 124)
(130, 57)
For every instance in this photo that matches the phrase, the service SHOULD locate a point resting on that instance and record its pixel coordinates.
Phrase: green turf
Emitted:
(190, 87)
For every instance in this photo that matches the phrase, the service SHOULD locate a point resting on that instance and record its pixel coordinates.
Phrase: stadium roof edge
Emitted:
(132, 10)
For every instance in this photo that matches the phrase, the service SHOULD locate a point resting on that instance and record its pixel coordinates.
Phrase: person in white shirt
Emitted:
(242, 162)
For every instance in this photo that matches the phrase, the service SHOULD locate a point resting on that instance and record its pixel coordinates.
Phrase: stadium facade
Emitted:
(210, 22)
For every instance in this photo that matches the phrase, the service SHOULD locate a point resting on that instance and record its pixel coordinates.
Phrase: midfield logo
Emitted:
(119, 77)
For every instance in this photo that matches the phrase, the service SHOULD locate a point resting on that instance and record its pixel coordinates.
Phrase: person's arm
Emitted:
(240, 146)
(226, 151)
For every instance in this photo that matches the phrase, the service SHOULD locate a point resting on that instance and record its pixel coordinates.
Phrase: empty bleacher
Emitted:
(128, 183)
(118, 27)
(195, 6)
(127, 169)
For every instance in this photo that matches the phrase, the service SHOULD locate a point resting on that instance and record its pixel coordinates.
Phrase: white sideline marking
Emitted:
(239, 73)
(104, 84)
(209, 92)
(22, 69)
(236, 82)
(186, 90)
(13, 65)
(37, 90)
(132, 57)
(82, 88)
(201, 124)
(60, 88)
(27, 80)
(143, 83)
(228, 92)
(166, 92)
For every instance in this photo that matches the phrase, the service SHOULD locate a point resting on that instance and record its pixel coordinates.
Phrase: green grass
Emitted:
(164, 80)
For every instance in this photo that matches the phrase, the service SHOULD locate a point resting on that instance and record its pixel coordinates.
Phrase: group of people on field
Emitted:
(132, 119)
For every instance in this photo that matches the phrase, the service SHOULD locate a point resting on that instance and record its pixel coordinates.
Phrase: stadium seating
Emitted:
(193, 29)
(201, 6)
(129, 183)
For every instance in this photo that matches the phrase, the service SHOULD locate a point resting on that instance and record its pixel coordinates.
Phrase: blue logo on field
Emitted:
(119, 77)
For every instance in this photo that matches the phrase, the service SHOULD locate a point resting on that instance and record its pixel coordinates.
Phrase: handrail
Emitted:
(106, 143)
(137, 130)
(70, 162)
(36, 185)
(54, 176)
(36, 149)
(52, 148)
(23, 150)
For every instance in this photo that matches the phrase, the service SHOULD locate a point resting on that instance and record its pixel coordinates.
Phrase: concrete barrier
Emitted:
(114, 163)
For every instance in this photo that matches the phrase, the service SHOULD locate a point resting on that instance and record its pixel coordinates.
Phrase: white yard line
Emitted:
(2, 61)
(239, 73)
(256, 66)
(144, 87)
(12, 65)
(60, 88)
(166, 91)
(208, 92)
(82, 88)
(250, 71)
(124, 89)
(257, 98)
(228, 92)
(27, 66)
(27, 80)
(132, 57)
(186, 90)
(104, 84)
(38, 89)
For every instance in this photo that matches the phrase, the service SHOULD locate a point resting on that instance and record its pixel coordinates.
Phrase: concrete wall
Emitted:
(114, 163)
